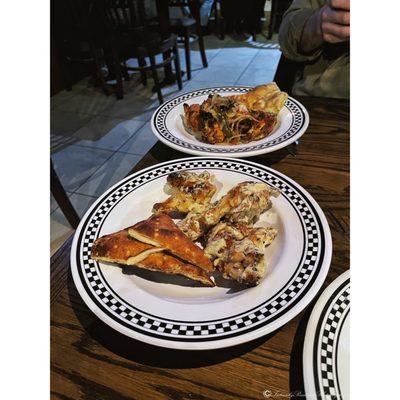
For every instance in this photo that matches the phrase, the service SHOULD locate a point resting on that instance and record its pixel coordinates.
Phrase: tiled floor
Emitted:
(96, 140)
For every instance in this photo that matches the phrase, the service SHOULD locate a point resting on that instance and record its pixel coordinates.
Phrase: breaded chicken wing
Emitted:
(243, 205)
(189, 192)
(238, 251)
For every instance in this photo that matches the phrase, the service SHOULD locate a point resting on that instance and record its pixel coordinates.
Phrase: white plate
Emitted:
(167, 125)
(178, 313)
(326, 353)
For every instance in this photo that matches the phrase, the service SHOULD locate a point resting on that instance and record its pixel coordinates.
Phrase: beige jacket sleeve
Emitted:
(292, 27)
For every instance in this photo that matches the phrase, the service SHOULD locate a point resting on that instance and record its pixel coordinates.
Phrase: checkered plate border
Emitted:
(159, 124)
(309, 266)
(326, 343)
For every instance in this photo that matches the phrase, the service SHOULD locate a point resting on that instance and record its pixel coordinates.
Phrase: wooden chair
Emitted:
(183, 27)
(131, 36)
(278, 8)
(62, 199)
(81, 39)
(218, 18)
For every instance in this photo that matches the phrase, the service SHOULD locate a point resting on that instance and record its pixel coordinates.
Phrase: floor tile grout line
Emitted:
(94, 147)
(96, 197)
(134, 135)
(132, 154)
(74, 112)
(76, 191)
(72, 94)
(87, 179)
(119, 116)
(255, 55)
(87, 146)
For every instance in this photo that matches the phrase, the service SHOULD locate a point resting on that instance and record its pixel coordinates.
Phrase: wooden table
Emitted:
(91, 361)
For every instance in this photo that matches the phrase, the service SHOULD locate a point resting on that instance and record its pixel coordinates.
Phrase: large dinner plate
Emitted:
(177, 313)
(167, 124)
(326, 353)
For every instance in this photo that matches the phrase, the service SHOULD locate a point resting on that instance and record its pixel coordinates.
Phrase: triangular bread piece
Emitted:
(160, 230)
(171, 265)
(120, 248)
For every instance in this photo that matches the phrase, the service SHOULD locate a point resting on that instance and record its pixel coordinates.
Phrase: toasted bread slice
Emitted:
(160, 231)
(120, 248)
(171, 265)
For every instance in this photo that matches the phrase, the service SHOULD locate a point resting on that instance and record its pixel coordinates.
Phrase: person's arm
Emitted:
(308, 24)
(331, 24)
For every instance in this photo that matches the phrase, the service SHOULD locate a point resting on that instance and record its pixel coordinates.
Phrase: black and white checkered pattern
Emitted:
(160, 125)
(163, 327)
(328, 342)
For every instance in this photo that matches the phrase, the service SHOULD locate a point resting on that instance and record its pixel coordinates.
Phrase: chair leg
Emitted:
(221, 26)
(62, 199)
(272, 20)
(66, 69)
(156, 80)
(118, 74)
(143, 75)
(196, 14)
(125, 72)
(187, 54)
(202, 49)
(98, 72)
(120, 87)
(178, 67)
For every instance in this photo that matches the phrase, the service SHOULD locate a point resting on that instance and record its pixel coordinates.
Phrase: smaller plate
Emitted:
(167, 125)
(326, 353)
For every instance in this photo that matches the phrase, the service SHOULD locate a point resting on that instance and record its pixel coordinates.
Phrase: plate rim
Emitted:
(311, 331)
(239, 153)
(222, 343)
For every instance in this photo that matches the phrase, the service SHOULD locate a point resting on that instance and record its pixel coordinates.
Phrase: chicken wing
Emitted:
(237, 251)
(243, 205)
(189, 192)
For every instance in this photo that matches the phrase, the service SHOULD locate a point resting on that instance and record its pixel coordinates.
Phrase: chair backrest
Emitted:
(127, 21)
(79, 18)
(131, 29)
(125, 15)
(178, 3)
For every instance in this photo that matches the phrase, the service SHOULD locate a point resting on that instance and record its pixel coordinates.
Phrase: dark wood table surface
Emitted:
(89, 360)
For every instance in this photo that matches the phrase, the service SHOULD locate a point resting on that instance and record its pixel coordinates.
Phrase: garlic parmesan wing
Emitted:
(189, 192)
(238, 251)
(243, 204)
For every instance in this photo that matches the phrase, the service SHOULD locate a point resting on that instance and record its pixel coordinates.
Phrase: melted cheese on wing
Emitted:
(189, 192)
(238, 251)
(243, 204)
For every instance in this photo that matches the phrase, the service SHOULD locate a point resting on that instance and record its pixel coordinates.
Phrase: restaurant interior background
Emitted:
(96, 139)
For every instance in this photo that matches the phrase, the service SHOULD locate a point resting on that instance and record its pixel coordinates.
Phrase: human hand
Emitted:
(335, 21)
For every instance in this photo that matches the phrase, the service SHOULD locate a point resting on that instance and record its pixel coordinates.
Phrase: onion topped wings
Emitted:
(236, 119)
(238, 251)
(243, 204)
(189, 192)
